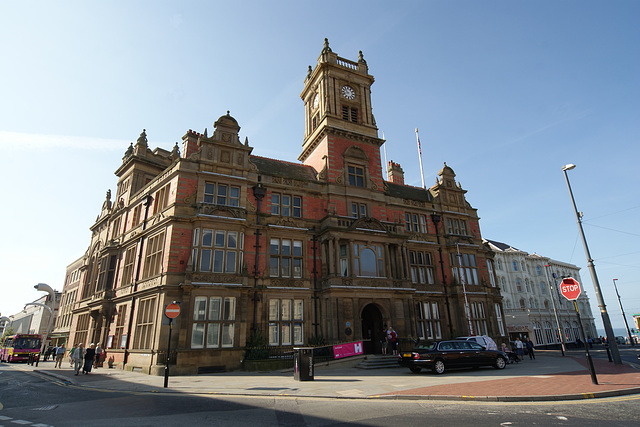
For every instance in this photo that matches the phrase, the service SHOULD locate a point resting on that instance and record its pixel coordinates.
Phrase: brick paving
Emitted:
(610, 377)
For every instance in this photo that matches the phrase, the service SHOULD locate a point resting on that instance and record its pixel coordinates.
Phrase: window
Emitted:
(82, 329)
(344, 263)
(350, 114)
(213, 322)
(518, 285)
(548, 332)
(153, 259)
(368, 260)
(456, 226)
(358, 210)
(356, 176)
(428, 321)
(286, 205)
(221, 194)
(537, 332)
(538, 270)
(221, 251)
(129, 261)
(499, 265)
(285, 258)
(137, 215)
(499, 318)
(161, 199)
(115, 228)
(122, 313)
(145, 323)
(543, 288)
(478, 318)
(492, 278)
(421, 267)
(286, 321)
(515, 265)
(466, 271)
(415, 222)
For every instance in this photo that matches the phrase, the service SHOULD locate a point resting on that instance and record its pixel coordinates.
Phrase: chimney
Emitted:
(396, 174)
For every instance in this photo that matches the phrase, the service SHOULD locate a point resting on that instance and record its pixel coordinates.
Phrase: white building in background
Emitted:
(528, 284)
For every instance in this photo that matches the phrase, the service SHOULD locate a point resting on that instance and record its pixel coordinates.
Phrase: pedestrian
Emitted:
(73, 349)
(530, 347)
(590, 341)
(385, 341)
(48, 352)
(60, 351)
(89, 356)
(78, 358)
(393, 340)
(98, 360)
(519, 349)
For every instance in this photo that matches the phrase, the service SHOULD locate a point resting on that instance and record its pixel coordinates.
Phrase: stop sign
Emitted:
(570, 288)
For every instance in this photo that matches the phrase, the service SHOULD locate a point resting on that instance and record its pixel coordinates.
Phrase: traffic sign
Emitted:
(172, 311)
(570, 288)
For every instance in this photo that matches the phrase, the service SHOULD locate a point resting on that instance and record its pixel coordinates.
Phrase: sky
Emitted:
(505, 92)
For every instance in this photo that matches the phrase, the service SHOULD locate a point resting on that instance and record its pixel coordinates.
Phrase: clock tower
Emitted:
(339, 122)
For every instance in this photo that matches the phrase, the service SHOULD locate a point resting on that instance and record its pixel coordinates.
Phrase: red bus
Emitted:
(16, 348)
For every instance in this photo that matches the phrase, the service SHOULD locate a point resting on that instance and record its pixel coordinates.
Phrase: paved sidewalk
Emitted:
(549, 377)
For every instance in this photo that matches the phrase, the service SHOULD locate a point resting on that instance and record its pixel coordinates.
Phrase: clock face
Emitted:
(316, 101)
(348, 92)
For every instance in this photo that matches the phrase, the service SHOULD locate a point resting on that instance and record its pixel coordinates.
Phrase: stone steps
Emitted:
(378, 361)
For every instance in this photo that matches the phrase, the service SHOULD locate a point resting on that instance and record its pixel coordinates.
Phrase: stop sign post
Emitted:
(570, 288)
(171, 311)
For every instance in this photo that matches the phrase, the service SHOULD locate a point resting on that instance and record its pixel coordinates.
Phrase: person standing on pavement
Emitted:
(392, 337)
(98, 362)
(519, 349)
(60, 351)
(89, 356)
(78, 358)
(530, 347)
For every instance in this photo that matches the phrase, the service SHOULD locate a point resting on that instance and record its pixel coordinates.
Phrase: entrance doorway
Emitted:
(372, 333)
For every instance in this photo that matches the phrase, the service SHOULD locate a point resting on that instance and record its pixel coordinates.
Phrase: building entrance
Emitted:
(372, 332)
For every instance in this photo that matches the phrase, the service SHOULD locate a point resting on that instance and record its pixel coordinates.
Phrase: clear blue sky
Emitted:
(505, 92)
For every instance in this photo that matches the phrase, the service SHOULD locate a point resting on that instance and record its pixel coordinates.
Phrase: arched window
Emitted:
(546, 304)
(576, 329)
(538, 270)
(548, 333)
(368, 260)
(543, 288)
(537, 333)
(567, 332)
(518, 285)
(507, 303)
(522, 303)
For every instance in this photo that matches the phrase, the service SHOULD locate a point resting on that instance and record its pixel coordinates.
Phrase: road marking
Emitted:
(21, 422)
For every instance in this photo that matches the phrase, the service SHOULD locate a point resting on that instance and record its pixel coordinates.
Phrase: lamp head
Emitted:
(568, 167)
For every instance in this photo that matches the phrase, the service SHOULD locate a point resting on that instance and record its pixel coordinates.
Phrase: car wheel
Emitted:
(415, 369)
(500, 363)
(438, 367)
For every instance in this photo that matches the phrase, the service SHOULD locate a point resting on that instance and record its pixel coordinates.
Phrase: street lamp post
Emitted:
(46, 332)
(555, 311)
(611, 340)
(623, 315)
(48, 289)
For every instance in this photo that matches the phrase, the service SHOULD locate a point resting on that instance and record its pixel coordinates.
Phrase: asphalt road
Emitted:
(27, 398)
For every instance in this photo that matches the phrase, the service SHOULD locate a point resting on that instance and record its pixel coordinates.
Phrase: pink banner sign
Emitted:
(345, 350)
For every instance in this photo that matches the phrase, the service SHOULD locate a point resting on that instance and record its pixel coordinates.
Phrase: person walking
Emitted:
(530, 347)
(98, 360)
(60, 351)
(89, 356)
(78, 358)
(73, 349)
(519, 349)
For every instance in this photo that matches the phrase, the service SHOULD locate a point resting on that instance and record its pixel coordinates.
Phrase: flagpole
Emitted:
(420, 157)
(386, 165)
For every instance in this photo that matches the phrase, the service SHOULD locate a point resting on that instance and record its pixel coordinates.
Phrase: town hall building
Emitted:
(262, 251)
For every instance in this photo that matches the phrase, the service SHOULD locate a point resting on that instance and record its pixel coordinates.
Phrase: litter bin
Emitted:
(303, 363)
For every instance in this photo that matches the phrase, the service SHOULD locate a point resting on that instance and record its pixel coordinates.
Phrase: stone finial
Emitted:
(142, 139)
(175, 153)
(246, 141)
(129, 151)
(205, 133)
(361, 58)
(326, 47)
(309, 71)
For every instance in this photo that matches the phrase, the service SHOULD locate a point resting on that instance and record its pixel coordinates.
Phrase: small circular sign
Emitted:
(172, 311)
(348, 324)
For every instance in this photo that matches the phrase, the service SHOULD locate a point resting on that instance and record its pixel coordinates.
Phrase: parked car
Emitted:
(484, 340)
(442, 355)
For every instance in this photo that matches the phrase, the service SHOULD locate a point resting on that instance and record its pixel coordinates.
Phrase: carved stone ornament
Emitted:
(368, 223)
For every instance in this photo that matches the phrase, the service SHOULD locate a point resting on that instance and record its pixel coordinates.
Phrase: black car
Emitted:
(442, 355)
